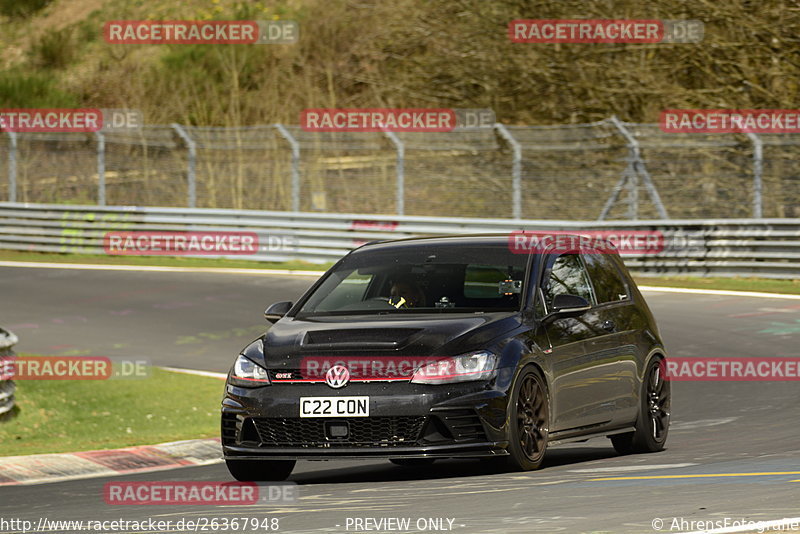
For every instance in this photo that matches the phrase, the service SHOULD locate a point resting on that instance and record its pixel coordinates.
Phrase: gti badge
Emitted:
(337, 376)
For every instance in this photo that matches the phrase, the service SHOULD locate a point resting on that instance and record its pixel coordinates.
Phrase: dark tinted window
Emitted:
(606, 278)
(442, 278)
(567, 276)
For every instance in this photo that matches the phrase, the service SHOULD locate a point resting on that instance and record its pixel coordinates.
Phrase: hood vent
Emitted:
(364, 338)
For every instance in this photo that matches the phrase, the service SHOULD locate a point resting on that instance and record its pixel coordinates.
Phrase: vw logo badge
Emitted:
(337, 376)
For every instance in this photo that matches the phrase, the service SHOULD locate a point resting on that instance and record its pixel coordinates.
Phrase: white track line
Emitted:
(195, 372)
(151, 268)
(625, 468)
(724, 292)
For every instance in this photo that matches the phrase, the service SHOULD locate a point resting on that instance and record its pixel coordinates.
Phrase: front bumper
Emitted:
(406, 421)
(476, 450)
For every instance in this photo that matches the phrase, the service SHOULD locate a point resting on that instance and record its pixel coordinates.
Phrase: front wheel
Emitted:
(652, 425)
(528, 422)
(260, 470)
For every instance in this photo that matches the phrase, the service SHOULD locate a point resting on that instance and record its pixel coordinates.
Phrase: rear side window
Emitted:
(608, 282)
(567, 276)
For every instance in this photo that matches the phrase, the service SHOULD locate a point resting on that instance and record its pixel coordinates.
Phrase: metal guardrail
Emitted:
(7, 387)
(725, 247)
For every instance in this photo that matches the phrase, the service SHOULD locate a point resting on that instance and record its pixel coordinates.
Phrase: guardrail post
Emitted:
(516, 170)
(12, 166)
(191, 175)
(101, 168)
(758, 167)
(639, 169)
(401, 171)
(295, 165)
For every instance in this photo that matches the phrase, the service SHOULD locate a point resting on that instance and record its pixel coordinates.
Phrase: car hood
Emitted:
(291, 340)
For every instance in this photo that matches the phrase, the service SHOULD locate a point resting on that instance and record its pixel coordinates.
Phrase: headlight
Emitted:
(247, 371)
(463, 368)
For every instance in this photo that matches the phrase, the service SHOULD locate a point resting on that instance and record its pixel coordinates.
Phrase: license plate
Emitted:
(334, 406)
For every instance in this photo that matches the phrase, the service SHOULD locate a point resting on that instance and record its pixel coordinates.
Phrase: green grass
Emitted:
(159, 261)
(791, 287)
(79, 415)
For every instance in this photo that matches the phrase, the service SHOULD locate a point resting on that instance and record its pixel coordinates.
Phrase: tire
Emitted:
(528, 422)
(412, 462)
(652, 424)
(260, 470)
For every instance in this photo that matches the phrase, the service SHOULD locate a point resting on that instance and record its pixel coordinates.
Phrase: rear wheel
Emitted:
(260, 470)
(528, 424)
(652, 425)
(412, 462)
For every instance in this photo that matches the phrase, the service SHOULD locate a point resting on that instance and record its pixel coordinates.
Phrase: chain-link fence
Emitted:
(602, 170)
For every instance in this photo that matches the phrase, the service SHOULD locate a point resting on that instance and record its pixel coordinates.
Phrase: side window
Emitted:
(567, 276)
(606, 278)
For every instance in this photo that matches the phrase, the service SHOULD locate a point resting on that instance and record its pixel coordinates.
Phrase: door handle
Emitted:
(609, 326)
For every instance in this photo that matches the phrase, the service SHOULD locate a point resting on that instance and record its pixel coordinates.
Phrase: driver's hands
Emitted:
(398, 302)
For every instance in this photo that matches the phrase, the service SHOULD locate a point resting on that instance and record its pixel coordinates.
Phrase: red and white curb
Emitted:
(43, 468)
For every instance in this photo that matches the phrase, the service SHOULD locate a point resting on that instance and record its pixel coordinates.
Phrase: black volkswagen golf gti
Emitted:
(419, 349)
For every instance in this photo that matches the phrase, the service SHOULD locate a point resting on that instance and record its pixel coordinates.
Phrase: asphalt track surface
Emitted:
(733, 450)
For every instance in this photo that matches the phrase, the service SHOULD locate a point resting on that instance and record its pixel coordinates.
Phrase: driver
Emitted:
(406, 293)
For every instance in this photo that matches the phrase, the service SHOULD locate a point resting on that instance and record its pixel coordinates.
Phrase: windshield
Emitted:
(424, 279)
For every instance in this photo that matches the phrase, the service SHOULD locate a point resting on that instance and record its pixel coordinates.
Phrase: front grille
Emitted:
(288, 375)
(364, 432)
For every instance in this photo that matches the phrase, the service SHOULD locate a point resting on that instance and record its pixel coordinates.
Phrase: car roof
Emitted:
(490, 240)
(440, 240)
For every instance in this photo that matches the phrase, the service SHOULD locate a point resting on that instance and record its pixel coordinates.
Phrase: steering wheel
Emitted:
(384, 300)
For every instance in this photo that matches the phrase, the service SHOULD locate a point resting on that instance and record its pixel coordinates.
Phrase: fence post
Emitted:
(12, 166)
(295, 165)
(401, 171)
(758, 167)
(633, 196)
(638, 169)
(191, 171)
(516, 170)
(101, 168)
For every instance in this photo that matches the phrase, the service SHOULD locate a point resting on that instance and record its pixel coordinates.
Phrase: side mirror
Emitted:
(277, 310)
(569, 305)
